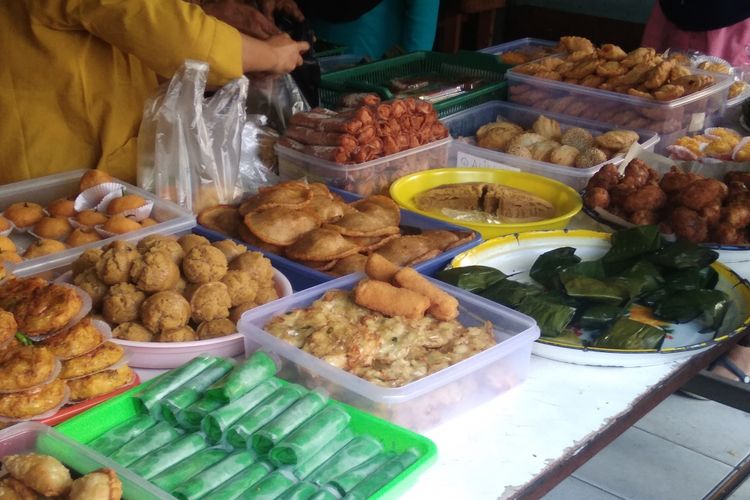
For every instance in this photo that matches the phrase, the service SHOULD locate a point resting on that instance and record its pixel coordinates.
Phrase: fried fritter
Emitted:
(49, 308)
(702, 193)
(13, 489)
(100, 358)
(100, 383)
(255, 263)
(215, 328)
(28, 367)
(87, 259)
(405, 250)
(281, 225)
(165, 311)
(249, 238)
(134, 332)
(203, 264)
(230, 248)
(163, 243)
(102, 484)
(33, 402)
(223, 218)
(321, 245)
(88, 281)
(75, 341)
(44, 474)
(688, 224)
(114, 265)
(352, 264)
(8, 327)
(290, 195)
(18, 290)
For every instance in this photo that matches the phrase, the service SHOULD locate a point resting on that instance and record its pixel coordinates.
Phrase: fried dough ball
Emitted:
(676, 180)
(79, 339)
(611, 52)
(737, 214)
(134, 332)
(119, 224)
(33, 402)
(180, 334)
(122, 303)
(564, 155)
(86, 260)
(216, 328)
(638, 174)
(266, 294)
(82, 236)
(24, 214)
(236, 312)
(29, 366)
(644, 217)
(688, 224)
(241, 286)
(164, 243)
(209, 301)
(165, 311)
(115, 264)
(7, 245)
(712, 213)
(90, 218)
(726, 234)
(203, 264)
(54, 228)
(596, 197)
(648, 197)
(101, 383)
(102, 484)
(190, 241)
(230, 249)
(88, 281)
(62, 208)
(590, 158)
(743, 177)
(520, 151)
(256, 264)
(93, 178)
(8, 326)
(43, 247)
(547, 127)
(42, 473)
(50, 308)
(180, 286)
(703, 192)
(155, 272)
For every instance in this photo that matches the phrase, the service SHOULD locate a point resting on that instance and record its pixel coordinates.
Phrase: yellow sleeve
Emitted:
(161, 33)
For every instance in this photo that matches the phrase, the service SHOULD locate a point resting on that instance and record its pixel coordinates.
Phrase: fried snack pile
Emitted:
(546, 141)
(32, 475)
(169, 290)
(392, 329)
(58, 226)
(693, 207)
(718, 143)
(309, 224)
(528, 53)
(736, 88)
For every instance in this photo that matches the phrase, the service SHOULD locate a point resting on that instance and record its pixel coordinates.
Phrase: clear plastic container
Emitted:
(734, 109)
(532, 48)
(372, 177)
(468, 154)
(33, 437)
(173, 219)
(425, 402)
(670, 119)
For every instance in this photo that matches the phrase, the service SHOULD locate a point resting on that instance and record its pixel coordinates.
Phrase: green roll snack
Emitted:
(271, 486)
(345, 482)
(218, 421)
(257, 368)
(152, 395)
(240, 483)
(180, 472)
(300, 491)
(155, 437)
(308, 438)
(337, 442)
(357, 451)
(274, 431)
(239, 435)
(326, 493)
(191, 417)
(383, 475)
(217, 474)
(116, 437)
(161, 459)
(191, 391)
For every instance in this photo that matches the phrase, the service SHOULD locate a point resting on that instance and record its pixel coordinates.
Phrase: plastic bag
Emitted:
(258, 161)
(277, 98)
(188, 146)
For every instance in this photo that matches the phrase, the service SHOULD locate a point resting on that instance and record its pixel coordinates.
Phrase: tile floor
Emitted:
(679, 451)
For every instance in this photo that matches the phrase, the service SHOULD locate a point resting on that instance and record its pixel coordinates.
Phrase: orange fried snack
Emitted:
(442, 306)
(379, 268)
(389, 300)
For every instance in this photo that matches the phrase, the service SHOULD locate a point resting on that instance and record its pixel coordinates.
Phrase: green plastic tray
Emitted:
(91, 424)
(374, 77)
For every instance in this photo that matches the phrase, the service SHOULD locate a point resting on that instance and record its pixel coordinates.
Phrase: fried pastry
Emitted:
(215, 328)
(8, 327)
(102, 484)
(42, 473)
(405, 250)
(18, 290)
(326, 209)
(526, 140)
(223, 218)
(49, 308)
(362, 224)
(499, 125)
(520, 151)
(547, 127)
(165, 311)
(564, 155)
(100, 358)
(497, 138)
(370, 243)
(576, 43)
(442, 306)
(390, 300)
(79, 339)
(291, 195)
(28, 367)
(280, 226)
(638, 56)
(611, 69)
(156, 271)
(583, 69)
(122, 303)
(162, 243)
(380, 207)
(100, 383)
(669, 92)
(133, 331)
(542, 150)
(592, 81)
(249, 238)
(354, 263)
(230, 248)
(13, 489)
(611, 52)
(241, 286)
(321, 245)
(115, 264)
(694, 83)
(658, 76)
(27, 404)
(209, 301)
(203, 264)
(255, 263)
(617, 140)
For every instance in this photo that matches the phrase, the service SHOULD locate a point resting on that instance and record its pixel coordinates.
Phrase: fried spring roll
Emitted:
(387, 299)
(442, 306)
(314, 137)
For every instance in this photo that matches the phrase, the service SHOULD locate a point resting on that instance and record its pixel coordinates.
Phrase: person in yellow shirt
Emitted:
(75, 75)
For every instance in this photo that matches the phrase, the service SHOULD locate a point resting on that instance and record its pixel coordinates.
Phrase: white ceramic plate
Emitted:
(515, 254)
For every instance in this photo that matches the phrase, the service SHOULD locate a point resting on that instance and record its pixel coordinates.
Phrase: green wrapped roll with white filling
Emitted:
(300, 491)
(239, 434)
(291, 418)
(383, 475)
(349, 479)
(271, 486)
(208, 480)
(191, 417)
(116, 437)
(326, 493)
(180, 472)
(161, 459)
(308, 438)
(257, 368)
(151, 396)
(357, 451)
(218, 421)
(191, 391)
(240, 483)
(337, 442)
(154, 438)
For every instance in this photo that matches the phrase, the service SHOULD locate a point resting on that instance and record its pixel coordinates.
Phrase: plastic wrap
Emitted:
(277, 98)
(259, 165)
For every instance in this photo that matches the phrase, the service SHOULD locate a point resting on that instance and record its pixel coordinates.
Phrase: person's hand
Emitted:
(289, 7)
(245, 18)
(288, 53)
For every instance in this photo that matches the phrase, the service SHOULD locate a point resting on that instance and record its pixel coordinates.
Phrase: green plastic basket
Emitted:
(91, 424)
(325, 48)
(374, 77)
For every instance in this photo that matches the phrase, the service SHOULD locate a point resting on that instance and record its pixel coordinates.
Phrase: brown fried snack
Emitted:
(321, 245)
(442, 306)
(49, 308)
(18, 290)
(291, 195)
(8, 326)
(62, 208)
(165, 311)
(122, 303)
(102, 484)
(28, 367)
(281, 225)
(119, 224)
(348, 265)
(611, 52)
(134, 332)
(166, 244)
(223, 218)
(209, 301)
(249, 238)
(54, 228)
(93, 178)
(216, 328)
(86, 260)
(617, 140)
(669, 92)
(114, 265)
(13, 489)
(156, 271)
(91, 218)
(100, 358)
(688, 224)
(43, 247)
(101, 383)
(230, 248)
(89, 282)
(241, 286)
(79, 339)
(256, 264)
(266, 294)
(82, 236)
(42, 473)
(649, 197)
(190, 241)
(24, 214)
(180, 334)
(33, 402)
(203, 264)
(389, 300)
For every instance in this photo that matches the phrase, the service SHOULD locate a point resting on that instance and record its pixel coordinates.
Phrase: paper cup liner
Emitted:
(85, 309)
(124, 360)
(41, 416)
(697, 60)
(102, 205)
(139, 213)
(93, 196)
(99, 228)
(103, 328)
(55, 373)
(11, 226)
(677, 152)
(739, 147)
(132, 379)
